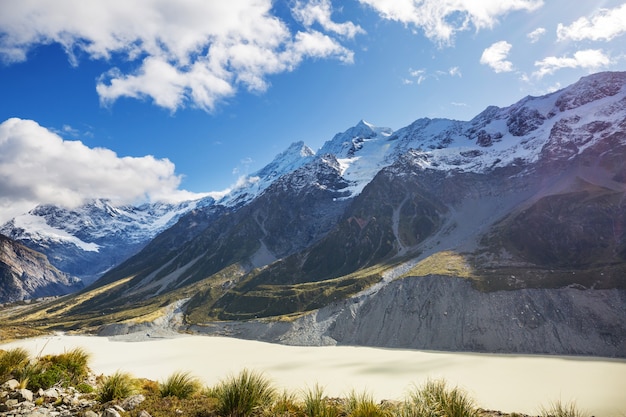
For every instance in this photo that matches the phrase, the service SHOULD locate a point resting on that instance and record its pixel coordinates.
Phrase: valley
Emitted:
(505, 233)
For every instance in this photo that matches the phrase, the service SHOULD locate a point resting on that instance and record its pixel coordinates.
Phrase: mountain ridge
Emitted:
(522, 199)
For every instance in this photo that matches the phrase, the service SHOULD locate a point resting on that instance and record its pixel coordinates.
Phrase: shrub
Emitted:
(84, 388)
(241, 395)
(12, 363)
(179, 384)
(435, 399)
(558, 409)
(317, 405)
(118, 386)
(64, 369)
(44, 376)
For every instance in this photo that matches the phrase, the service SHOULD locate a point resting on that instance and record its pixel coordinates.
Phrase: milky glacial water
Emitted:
(509, 383)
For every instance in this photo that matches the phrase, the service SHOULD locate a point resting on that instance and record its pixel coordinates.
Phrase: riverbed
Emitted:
(509, 383)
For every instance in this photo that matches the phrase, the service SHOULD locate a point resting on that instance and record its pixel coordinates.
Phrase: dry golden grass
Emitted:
(447, 263)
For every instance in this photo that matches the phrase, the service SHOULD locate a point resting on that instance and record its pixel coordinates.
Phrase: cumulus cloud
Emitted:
(190, 52)
(605, 25)
(536, 34)
(319, 11)
(589, 59)
(38, 166)
(442, 19)
(495, 57)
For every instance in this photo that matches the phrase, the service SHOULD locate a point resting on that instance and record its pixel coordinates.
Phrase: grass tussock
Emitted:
(316, 404)
(363, 405)
(247, 394)
(118, 386)
(436, 399)
(180, 384)
(244, 394)
(68, 368)
(560, 409)
(12, 363)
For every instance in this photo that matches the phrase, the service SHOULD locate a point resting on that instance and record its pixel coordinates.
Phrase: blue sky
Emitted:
(167, 99)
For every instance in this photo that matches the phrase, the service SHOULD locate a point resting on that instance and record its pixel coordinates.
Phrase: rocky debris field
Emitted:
(61, 401)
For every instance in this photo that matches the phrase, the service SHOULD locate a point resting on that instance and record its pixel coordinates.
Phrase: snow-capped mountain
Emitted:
(88, 240)
(566, 121)
(519, 210)
(297, 155)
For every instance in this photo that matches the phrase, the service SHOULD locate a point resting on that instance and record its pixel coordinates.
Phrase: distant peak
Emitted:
(299, 148)
(364, 123)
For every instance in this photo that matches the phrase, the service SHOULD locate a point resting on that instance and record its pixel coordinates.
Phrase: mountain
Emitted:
(26, 274)
(504, 233)
(88, 240)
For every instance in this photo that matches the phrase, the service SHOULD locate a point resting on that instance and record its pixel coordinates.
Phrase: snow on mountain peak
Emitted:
(295, 156)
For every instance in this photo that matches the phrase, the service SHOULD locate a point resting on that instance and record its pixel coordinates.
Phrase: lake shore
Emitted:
(509, 383)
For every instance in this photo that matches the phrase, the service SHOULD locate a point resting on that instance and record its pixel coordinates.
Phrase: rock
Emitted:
(52, 394)
(90, 413)
(11, 384)
(144, 413)
(11, 403)
(39, 412)
(25, 395)
(110, 412)
(133, 401)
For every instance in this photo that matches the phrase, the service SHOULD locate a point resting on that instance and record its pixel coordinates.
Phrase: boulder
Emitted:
(110, 412)
(133, 401)
(11, 384)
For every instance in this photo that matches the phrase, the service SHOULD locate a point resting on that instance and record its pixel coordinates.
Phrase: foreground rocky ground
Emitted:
(69, 401)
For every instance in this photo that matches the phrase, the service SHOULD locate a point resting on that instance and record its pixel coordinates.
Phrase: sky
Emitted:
(169, 100)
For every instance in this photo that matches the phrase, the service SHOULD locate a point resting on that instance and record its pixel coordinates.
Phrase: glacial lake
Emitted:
(509, 383)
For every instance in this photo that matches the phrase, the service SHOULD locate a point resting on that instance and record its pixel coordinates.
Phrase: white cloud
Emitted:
(442, 19)
(589, 59)
(319, 11)
(536, 34)
(421, 75)
(191, 52)
(38, 166)
(455, 72)
(495, 57)
(605, 25)
(417, 76)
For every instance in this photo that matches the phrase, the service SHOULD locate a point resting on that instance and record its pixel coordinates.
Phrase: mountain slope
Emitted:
(26, 274)
(88, 240)
(523, 201)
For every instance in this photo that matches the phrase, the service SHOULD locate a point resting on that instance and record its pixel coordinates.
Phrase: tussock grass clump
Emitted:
(68, 368)
(118, 386)
(244, 394)
(75, 362)
(180, 384)
(435, 399)
(316, 404)
(559, 409)
(363, 405)
(12, 363)
(285, 404)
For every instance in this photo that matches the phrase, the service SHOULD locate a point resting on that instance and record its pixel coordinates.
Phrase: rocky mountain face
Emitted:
(503, 233)
(26, 274)
(88, 240)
